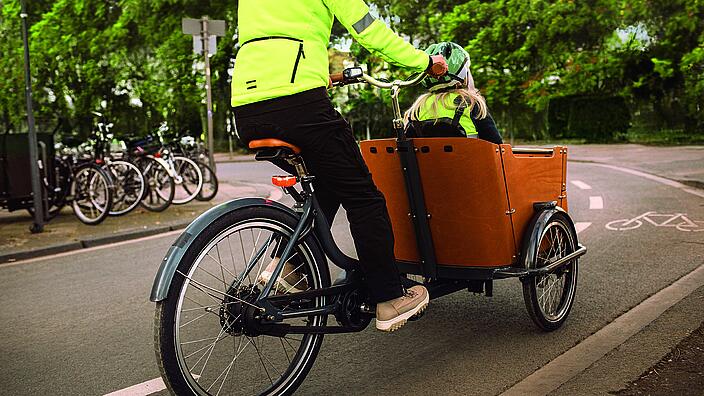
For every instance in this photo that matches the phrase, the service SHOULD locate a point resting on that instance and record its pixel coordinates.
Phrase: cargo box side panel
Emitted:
(385, 166)
(466, 197)
(563, 200)
(531, 178)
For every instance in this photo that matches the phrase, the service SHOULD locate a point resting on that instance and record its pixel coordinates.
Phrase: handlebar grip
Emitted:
(438, 69)
(337, 78)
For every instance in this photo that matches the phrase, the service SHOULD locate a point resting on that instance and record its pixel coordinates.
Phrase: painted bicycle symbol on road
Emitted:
(679, 221)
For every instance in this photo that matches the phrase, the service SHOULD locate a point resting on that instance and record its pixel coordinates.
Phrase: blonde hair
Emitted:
(470, 97)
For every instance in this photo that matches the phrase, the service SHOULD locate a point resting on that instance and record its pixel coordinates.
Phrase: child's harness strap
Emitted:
(461, 106)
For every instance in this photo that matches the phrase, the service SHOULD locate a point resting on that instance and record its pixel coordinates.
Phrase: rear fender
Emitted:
(168, 266)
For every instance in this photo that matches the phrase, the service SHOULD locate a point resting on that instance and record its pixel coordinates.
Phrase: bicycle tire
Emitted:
(189, 180)
(549, 306)
(210, 179)
(172, 317)
(129, 189)
(159, 188)
(86, 178)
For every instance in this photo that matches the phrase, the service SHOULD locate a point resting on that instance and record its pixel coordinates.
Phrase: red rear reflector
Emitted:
(284, 181)
(157, 154)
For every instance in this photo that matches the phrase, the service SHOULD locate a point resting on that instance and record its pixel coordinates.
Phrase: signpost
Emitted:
(204, 31)
(38, 225)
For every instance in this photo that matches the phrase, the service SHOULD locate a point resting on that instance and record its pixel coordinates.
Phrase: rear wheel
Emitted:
(204, 340)
(549, 297)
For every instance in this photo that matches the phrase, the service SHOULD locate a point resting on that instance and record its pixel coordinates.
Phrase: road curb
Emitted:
(91, 242)
(45, 251)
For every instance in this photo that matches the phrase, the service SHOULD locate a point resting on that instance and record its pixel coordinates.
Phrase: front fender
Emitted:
(168, 266)
(535, 231)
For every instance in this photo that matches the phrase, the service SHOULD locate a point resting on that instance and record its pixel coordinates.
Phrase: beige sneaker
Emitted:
(292, 280)
(392, 314)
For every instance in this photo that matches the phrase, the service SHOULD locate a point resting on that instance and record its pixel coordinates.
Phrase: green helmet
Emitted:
(457, 66)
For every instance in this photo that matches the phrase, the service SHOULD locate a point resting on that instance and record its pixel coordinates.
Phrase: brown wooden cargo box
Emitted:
(479, 196)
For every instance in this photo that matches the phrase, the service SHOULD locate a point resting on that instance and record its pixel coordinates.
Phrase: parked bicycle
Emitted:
(187, 146)
(128, 180)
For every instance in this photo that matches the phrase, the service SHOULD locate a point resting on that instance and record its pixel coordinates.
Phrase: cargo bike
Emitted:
(464, 212)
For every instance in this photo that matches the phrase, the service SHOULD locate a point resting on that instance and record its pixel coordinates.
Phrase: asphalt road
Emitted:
(82, 323)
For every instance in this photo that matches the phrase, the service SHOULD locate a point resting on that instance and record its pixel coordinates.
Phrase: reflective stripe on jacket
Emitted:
(447, 115)
(284, 45)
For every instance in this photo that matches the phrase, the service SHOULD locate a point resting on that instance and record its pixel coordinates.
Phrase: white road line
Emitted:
(581, 226)
(596, 202)
(143, 389)
(581, 356)
(658, 179)
(582, 185)
(695, 192)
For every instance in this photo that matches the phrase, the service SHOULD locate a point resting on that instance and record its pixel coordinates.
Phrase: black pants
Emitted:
(330, 152)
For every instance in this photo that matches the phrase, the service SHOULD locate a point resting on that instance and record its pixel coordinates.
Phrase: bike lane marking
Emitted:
(581, 185)
(581, 226)
(143, 389)
(590, 350)
(596, 202)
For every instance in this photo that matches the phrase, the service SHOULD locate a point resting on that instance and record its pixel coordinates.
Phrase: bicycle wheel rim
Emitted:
(129, 186)
(201, 383)
(555, 291)
(191, 180)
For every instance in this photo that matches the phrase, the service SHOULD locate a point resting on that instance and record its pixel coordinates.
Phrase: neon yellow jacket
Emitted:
(447, 114)
(284, 45)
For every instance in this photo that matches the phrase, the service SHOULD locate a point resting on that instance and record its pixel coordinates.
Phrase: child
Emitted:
(453, 107)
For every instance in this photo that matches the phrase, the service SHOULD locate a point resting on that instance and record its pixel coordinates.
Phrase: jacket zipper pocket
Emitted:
(300, 55)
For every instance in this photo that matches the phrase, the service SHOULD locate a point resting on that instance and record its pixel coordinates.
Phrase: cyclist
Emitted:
(453, 106)
(279, 91)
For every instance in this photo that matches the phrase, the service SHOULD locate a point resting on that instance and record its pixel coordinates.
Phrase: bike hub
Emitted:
(238, 312)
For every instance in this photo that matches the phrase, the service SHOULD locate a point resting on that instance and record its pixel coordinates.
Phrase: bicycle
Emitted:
(212, 307)
(187, 175)
(186, 146)
(160, 185)
(128, 180)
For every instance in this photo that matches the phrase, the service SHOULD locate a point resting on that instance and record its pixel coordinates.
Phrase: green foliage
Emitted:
(593, 118)
(127, 59)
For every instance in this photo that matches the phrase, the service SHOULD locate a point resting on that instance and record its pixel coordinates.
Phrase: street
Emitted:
(81, 322)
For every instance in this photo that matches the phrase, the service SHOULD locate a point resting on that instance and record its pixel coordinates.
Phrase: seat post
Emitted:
(297, 162)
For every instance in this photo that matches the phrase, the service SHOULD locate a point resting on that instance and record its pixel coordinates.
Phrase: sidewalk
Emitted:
(65, 232)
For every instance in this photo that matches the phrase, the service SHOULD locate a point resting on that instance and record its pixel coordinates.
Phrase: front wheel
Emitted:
(92, 193)
(549, 297)
(188, 178)
(159, 185)
(204, 340)
(129, 186)
(210, 183)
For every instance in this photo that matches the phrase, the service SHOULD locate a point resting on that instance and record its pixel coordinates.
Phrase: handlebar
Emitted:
(355, 75)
